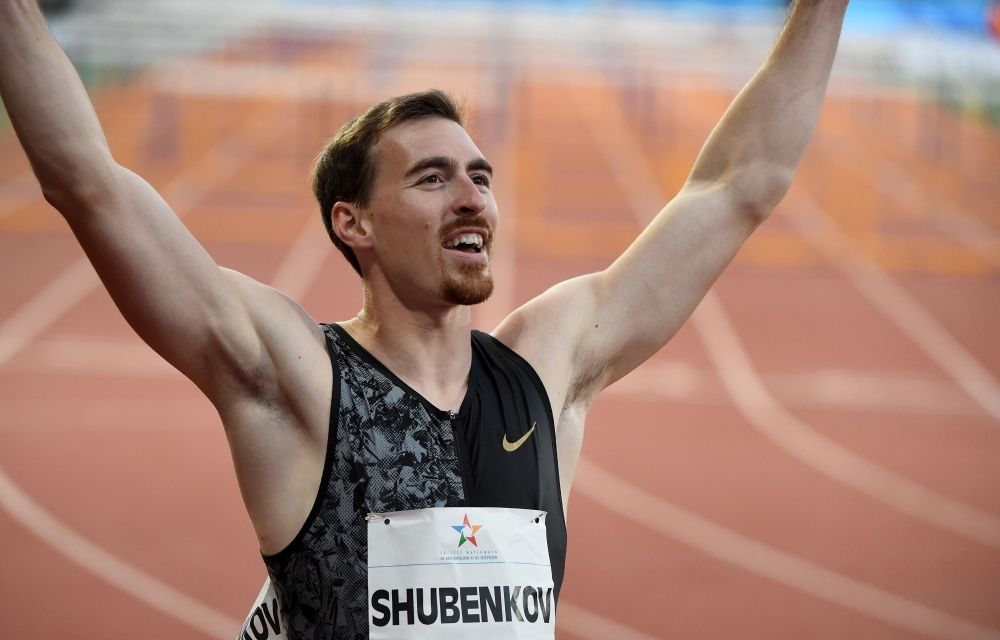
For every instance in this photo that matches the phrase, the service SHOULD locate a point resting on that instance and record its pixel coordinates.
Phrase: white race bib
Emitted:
(264, 621)
(454, 572)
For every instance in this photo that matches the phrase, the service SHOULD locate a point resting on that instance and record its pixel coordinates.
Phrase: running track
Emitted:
(815, 455)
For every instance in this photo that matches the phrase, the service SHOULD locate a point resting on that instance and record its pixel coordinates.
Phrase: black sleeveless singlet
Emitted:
(389, 449)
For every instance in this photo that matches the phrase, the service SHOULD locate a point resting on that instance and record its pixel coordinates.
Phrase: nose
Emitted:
(469, 200)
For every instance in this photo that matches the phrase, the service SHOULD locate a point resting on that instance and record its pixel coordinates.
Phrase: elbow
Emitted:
(57, 195)
(72, 190)
(70, 201)
(758, 194)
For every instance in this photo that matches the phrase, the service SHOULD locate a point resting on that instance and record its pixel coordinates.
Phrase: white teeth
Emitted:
(466, 238)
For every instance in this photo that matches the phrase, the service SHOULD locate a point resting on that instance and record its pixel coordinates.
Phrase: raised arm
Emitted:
(588, 332)
(255, 353)
(196, 315)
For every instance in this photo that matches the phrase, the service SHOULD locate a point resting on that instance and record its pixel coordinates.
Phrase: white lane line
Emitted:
(304, 260)
(872, 391)
(102, 417)
(90, 355)
(680, 381)
(765, 413)
(646, 509)
(112, 569)
(759, 407)
(894, 301)
(196, 614)
(942, 213)
(590, 626)
(193, 612)
(675, 380)
(61, 295)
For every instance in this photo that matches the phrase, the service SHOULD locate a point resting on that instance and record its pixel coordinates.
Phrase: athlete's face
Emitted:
(432, 214)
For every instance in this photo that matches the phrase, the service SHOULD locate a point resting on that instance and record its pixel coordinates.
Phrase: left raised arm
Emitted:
(586, 333)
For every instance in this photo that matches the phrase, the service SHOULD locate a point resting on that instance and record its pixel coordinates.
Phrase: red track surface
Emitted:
(135, 460)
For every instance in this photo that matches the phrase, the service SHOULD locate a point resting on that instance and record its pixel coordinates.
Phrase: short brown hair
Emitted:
(347, 168)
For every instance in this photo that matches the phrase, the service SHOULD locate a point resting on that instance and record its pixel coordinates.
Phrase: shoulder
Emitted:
(553, 319)
(496, 354)
(550, 332)
(286, 366)
(278, 320)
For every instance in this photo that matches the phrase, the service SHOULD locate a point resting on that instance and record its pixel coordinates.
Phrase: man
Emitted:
(397, 408)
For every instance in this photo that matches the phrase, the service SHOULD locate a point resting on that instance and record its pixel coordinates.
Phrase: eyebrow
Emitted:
(443, 162)
(480, 164)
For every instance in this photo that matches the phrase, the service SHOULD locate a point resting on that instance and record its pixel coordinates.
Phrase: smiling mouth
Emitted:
(466, 243)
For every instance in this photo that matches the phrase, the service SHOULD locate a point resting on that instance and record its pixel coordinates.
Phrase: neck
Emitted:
(427, 346)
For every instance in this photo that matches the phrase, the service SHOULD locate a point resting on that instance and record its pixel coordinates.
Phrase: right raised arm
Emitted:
(255, 353)
(165, 284)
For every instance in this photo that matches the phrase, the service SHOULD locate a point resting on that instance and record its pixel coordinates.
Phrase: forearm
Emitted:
(48, 106)
(757, 147)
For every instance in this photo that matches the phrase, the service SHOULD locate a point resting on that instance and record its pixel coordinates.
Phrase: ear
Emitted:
(352, 226)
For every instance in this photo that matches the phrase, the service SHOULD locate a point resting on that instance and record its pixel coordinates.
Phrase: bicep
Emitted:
(165, 284)
(585, 333)
(652, 289)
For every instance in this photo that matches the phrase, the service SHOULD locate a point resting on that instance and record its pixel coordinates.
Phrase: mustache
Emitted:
(477, 220)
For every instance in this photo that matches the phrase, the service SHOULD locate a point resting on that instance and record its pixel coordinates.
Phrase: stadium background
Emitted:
(815, 455)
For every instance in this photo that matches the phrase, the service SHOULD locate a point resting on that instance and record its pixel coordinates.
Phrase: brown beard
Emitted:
(475, 284)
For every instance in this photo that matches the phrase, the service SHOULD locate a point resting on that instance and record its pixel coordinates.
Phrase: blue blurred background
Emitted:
(964, 16)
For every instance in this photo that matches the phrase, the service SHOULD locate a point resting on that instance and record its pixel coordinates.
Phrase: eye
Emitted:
(482, 180)
(433, 178)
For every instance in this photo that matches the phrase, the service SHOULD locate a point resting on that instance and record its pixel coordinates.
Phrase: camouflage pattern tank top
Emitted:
(389, 449)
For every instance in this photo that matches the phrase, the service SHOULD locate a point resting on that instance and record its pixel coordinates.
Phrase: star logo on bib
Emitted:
(467, 526)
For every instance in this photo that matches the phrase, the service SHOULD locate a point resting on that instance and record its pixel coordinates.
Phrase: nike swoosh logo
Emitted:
(514, 446)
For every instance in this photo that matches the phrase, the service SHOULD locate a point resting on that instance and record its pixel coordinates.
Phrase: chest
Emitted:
(391, 454)
(397, 453)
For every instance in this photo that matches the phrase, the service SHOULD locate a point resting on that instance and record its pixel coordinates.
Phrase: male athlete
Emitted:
(404, 407)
